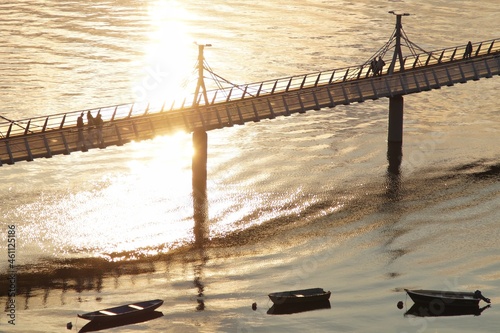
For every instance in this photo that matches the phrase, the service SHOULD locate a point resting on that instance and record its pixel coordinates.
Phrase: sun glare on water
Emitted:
(157, 194)
(142, 210)
(169, 56)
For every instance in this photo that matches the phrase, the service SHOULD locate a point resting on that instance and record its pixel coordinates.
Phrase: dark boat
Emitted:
(123, 311)
(299, 296)
(448, 298)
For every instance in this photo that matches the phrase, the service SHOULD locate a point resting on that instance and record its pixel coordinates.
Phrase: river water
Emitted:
(297, 202)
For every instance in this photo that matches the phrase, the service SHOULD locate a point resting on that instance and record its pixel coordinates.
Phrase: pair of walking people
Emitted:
(376, 66)
(94, 126)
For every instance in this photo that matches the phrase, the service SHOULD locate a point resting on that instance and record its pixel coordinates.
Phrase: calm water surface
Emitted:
(296, 202)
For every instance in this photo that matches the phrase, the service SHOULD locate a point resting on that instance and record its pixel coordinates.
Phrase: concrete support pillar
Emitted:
(199, 169)
(200, 144)
(395, 119)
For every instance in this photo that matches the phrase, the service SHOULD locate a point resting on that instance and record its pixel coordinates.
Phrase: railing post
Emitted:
(45, 124)
(345, 76)
(114, 114)
(303, 82)
(244, 92)
(229, 95)
(360, 71)
(491, 47)
(453, 54)
(317, 80)
(62, 122)
(289, 83)
(478, 49)
(416, 60)
(9, 130)
(274, 87)
(27, 127)
(441, 57)
(428, 59)
(331, 77)
(260, 88)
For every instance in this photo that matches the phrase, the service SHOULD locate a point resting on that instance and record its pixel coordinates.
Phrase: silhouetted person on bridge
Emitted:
(81, 139)
(90, 124)
(98, 125)
(380, 65)
(468, 51)
(373, 66)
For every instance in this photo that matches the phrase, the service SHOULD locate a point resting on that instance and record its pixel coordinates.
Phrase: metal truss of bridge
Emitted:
(46, 136)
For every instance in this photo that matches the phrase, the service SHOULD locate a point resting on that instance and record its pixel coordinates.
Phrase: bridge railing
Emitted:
(349, 73)
(58, 121)
(42, 124)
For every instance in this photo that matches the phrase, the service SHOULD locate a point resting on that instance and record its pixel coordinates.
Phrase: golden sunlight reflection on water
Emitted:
(169, 55)
(144, 211)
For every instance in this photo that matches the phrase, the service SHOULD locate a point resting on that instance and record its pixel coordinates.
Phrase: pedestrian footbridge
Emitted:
(50, 135)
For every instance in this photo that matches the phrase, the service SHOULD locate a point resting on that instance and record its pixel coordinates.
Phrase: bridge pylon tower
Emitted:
(398, 54)
(201, 82)
(396, 103)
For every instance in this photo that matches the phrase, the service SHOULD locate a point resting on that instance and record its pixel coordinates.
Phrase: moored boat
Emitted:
(449, 298)
(128, 310)
(99, 325)
(299, 296)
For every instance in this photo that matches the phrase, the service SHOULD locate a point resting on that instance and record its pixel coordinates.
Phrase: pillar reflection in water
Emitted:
(200, 211)
(393, 177)
(200, 204)
(198, 283)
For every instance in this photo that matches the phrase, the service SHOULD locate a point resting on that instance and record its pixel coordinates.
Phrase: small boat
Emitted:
(299, 296)
(99, 325)
(448, 298)
(128, 310)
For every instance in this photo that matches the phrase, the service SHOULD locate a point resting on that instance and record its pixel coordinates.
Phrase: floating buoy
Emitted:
(254, 306)
(69, 325)
(400, 304)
